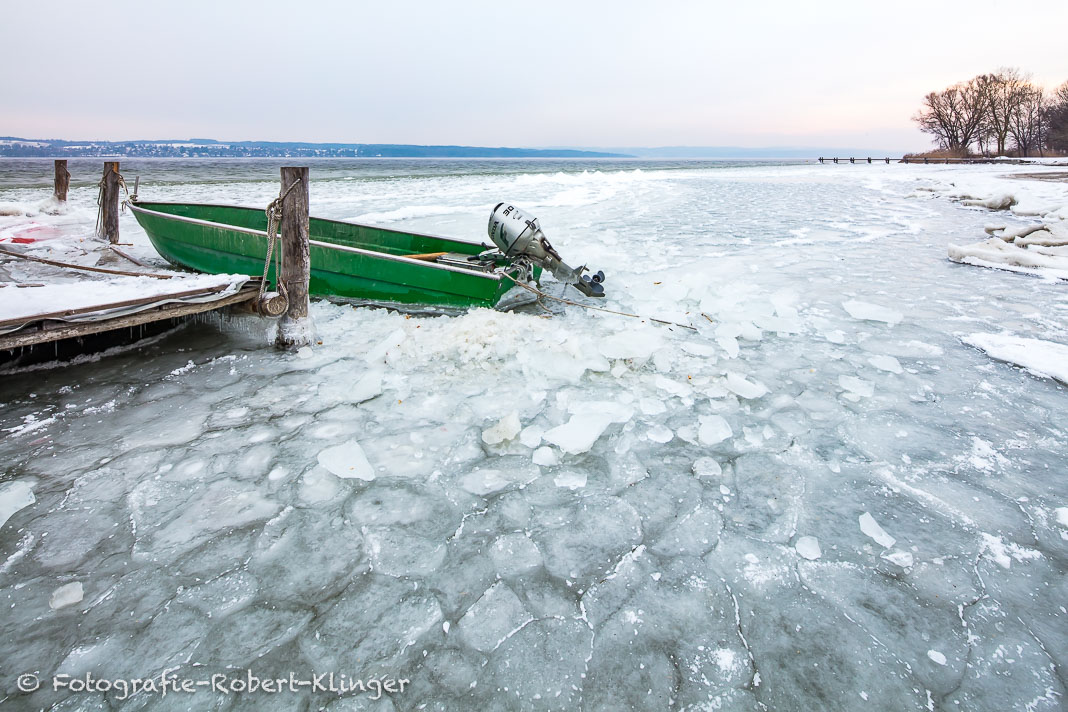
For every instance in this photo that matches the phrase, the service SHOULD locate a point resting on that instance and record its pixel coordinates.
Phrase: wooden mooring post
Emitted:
(62, 181)
(109, 203)
(295, 328)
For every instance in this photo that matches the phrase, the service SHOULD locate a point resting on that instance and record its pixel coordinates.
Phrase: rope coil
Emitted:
(274, 219)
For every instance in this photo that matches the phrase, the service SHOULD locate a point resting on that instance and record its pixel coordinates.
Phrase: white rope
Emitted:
(274, 219)
(541, 294)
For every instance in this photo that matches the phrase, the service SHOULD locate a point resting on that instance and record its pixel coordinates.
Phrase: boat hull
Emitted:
(348, 260)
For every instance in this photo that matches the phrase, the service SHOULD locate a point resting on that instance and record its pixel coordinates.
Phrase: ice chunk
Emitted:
(484, 482)
(707, 467)
(737, 384)
(318, 486)
(15, 495)
(397, 553)
(553, 654)
(1042, 358)
(389, 344)
(223, 595)
(631, 344)
(885, 363)
(373, 624)
(1062, 516)
(660, 434)
(808, 547)
(570, 479)
(347, 461)
(515, 554)
(937, 657)
(175, 517)
(871, 312)
(369, 386)
(305, 554)
(493, 618)
(531, 436)
(901, 558)
(65, 596)
(871, 528)
(729, 344)
(652, 406)
(617, 412)
(673, 387)
(859, 386)
(714, 429)
(579, 433)
(999, 201)
(505, 429)
(1003, 553)
(995, 252)
(546, 457)
(585, 539)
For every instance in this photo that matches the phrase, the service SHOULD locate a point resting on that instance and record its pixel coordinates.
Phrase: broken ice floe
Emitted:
(65, 596)
(505, 429)
(865, 311)
(871, 528)
(808, 547)
(347, 461)
(1042, 358)
(1038, 249)
(15, 495)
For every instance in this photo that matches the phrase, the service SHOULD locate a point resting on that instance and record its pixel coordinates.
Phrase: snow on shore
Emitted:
(1040, 248)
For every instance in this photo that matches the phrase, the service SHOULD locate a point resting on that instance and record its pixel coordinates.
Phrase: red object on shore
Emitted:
(30, 235)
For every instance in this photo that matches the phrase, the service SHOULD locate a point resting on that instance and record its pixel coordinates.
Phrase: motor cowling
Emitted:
(518, 235)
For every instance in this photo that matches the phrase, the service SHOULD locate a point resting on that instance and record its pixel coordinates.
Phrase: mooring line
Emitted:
(540, 293)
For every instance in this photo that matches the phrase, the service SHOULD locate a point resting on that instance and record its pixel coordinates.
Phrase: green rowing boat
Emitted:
(359, 262)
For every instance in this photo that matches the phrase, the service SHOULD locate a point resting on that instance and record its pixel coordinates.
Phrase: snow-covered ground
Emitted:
(1039, 246)
(827, 495)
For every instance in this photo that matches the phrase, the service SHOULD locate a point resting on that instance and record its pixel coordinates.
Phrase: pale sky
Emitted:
(546, 73)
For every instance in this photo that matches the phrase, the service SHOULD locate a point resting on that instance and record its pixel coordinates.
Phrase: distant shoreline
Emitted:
(15, 147)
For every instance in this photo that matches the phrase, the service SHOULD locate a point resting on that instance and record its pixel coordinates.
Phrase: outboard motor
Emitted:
(517, 235)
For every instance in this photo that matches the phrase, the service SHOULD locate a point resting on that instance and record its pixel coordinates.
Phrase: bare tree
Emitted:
(1002, 92)
(1057, 119)
(953, 116)
(1026, 119)
(991, 109)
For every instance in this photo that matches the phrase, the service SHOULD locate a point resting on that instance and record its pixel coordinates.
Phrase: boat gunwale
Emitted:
(319, 243)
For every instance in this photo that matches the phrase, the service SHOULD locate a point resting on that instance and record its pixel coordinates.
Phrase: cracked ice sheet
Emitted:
(681, 570)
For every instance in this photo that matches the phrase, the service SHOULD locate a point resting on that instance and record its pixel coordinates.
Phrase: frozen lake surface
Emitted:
(820, 498)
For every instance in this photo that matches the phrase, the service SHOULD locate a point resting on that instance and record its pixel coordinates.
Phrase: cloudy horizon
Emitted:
(562, 74)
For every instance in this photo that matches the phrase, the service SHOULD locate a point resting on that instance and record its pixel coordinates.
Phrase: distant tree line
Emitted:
(997, 115)
(13, 147)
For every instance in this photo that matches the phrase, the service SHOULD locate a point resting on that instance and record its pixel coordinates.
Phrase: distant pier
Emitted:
(925, 160)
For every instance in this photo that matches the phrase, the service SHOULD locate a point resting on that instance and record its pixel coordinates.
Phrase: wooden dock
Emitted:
(45, 328)
(27, 337)
(91, 329)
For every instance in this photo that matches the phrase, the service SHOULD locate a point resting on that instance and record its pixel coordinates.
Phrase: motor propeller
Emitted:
(517, 235)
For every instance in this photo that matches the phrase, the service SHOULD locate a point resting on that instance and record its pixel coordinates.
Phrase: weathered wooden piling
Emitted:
(62, 181)
(295, 327)
(109, 203)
